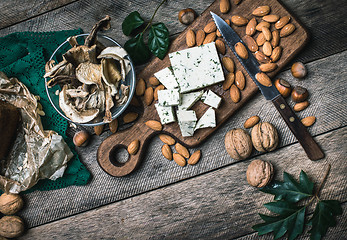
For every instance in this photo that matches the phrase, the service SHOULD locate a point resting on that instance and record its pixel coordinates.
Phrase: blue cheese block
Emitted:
(189, 99)
(207, 120)
(167, 78)
(197, 67)
(211, 99)
(169, 97)
(166, 114)
(186, 121)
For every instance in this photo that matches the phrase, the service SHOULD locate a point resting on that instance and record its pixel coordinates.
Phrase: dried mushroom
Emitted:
(90, 77)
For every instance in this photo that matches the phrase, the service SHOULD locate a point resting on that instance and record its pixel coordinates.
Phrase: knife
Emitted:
(313, 151)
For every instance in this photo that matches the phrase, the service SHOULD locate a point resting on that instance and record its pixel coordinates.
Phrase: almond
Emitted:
(220, 46)
(210, 38)
(282, 22)
(250, 42)
(113, 125)
(301, 106)
(251, 27)
(239, 20)
(200, 37)
(182, 150)
(98, 129)
(241, 50)
(194, 158)
(155, 125)
(251, 122)
(190, 38)
(148, 97)
(260, 39)
(133, 147)
(229, 64)
(271, 18)
(240, 80)
(308, 121)
(224, 6)
(210, 27)
(155, 94)
(275, 38)
(229, 80)
(154, 81)
(179, 159)
(287, 30)
(267, 33)
(268, 67)
(130, 117)
(218, 32)
(140, 87)
(267, 49)
(261, 25)
(276, 54)
(263, 79)
(167, 139)
(166, 151)
(261, 11)
(261, 57)
(235, 94)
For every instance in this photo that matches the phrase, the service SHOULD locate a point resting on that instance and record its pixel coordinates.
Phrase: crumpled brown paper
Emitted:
(37, 153)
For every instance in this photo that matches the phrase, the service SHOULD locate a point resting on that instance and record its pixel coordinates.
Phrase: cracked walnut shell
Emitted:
(238, 144)
(264, 137)
(259, 173)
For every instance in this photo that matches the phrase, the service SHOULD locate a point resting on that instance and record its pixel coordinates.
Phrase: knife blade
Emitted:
(251, 65)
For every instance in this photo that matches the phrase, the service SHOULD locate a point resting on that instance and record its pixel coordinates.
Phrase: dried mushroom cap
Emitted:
(238, 144)
(54, 70)
(74, 93)
(108, 105)
(259, 173)
(81, 54)
(103, 24)
(89, 73)
(264, 137)
(110, 74)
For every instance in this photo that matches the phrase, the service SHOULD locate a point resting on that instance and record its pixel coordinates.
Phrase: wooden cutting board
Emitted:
(291, 46)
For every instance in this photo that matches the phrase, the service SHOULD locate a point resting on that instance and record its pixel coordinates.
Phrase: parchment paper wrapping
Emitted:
(36, 154)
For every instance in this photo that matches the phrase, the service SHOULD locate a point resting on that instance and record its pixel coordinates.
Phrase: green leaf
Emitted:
(290, 220)
(324, 217)
(131, 22)
(289, 189)
(158, 40)
(137, 49)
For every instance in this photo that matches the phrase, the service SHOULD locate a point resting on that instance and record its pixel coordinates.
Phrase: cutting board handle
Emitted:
(106, 154)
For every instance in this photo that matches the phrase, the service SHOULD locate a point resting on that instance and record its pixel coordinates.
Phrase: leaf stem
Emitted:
(323, 181)
(155, 12)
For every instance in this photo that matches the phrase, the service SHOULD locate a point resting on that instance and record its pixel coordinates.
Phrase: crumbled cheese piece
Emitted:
(207, 120)
(166, 114)
(167, 78)
(211, 99)
(189, 99)
(186, 121)
(169, 97)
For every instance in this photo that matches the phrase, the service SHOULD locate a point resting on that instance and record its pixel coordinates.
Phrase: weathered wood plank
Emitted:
(219, 204)
(327, 98)
(15, 11)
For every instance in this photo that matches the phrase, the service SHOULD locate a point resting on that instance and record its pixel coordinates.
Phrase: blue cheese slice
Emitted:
(211, 99)
(186, 121)
(189, 99)
(166, 114)
(167, 78)
(169, 97)
(197, 67)
(207, 120)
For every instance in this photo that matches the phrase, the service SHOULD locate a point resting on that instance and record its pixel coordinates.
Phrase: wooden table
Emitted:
(212, 199)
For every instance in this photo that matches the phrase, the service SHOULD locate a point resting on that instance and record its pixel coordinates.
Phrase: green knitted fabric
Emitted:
(24, 55)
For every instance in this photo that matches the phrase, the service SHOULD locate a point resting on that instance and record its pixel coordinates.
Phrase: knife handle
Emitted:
(313, 151)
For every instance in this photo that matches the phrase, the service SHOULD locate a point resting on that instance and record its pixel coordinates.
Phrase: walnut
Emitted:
(259, 173)
(238, 144)
(264, 137)
(11, 226)
(10, 203)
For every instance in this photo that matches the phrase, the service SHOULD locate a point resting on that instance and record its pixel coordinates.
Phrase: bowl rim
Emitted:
(122, 108)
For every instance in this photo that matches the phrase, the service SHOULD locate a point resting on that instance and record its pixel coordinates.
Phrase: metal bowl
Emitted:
(130, 79)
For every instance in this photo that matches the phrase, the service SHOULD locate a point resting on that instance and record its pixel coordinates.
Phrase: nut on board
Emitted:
(259, 173)
(238, 144)
(264, 137)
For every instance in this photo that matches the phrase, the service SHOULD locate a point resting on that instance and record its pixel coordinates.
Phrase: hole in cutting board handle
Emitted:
(119, 155)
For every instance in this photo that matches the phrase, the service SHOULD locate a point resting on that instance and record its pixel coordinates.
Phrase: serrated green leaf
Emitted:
(158, 40)
(131, 22)
(289, 189)
(137, 49)
(290, 220)
(324, 217)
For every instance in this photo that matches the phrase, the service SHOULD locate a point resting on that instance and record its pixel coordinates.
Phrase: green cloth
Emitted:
(24, 55)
